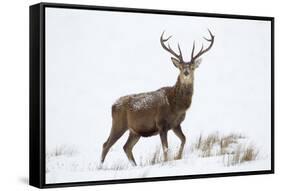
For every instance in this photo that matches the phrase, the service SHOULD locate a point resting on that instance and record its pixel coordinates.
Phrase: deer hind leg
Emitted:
(128, 147)
(115, 134)
(181, 136)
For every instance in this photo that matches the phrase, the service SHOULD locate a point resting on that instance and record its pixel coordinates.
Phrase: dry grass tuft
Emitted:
(154, 158)
(208, 144)
(242, 154)
(226, 141)
(62, 151)
(249, 154)
(157, 157)
(229, 146)
(234, 158)
(198, 143)
(120, 165)
(205, 144)
(214, 144)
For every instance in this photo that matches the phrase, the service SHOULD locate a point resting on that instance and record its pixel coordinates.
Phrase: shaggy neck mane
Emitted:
(180, 95)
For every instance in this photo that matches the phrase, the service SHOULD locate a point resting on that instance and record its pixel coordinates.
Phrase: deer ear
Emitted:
(175, 62)
(197, 63)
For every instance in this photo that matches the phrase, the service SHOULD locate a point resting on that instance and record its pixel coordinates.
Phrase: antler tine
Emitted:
(202, 51)
(173, 53)
(192, 53)
(164, 40)
(169, 49)
(212, 36)
(211, 33)
(180, 52)
(207, 39)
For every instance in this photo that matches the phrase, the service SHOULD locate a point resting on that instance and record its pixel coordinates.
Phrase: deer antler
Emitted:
(178, 56)
(202, 50)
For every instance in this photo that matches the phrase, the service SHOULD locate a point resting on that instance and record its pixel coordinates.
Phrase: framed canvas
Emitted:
(122, 95)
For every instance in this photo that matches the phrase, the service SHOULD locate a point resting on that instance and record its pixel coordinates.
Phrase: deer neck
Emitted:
(181, 94)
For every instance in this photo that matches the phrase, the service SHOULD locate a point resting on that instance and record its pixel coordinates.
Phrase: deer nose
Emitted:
(186, 73)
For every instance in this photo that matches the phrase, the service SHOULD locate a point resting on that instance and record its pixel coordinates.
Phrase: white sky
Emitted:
(94, 57)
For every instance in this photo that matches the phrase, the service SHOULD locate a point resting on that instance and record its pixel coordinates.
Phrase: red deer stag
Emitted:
(156, 112)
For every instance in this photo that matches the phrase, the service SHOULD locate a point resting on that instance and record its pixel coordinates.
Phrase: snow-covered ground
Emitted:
(66, 164)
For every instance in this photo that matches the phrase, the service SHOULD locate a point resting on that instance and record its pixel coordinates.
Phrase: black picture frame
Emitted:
(37, 94)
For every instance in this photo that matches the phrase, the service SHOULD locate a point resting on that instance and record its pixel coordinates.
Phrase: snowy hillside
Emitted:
(210, 154)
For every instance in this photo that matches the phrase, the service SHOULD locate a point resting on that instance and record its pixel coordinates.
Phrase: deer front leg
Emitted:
(180, 135)
(128, 147)
(164, 141)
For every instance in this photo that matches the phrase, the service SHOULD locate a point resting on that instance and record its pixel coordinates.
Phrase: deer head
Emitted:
(187, 68)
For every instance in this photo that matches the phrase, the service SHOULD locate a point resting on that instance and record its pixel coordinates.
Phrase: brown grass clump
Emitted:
(229, 146)
(214, 144)
(249, 154)
(198, 143)
(157, 157)
(154, 158)
(234, 158)
(242, 154)
(62, 151)
(208, 144)
(205, 145)
(226, 141)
